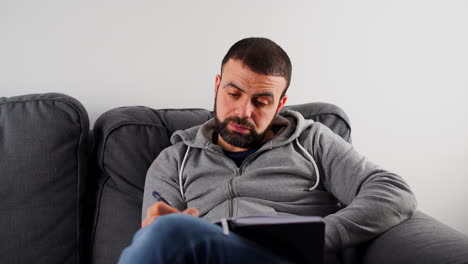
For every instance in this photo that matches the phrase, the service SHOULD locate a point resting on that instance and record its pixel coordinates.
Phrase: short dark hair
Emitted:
(263, 56)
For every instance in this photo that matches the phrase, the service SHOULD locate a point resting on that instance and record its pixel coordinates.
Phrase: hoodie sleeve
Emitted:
(162, 176)
(374, 199)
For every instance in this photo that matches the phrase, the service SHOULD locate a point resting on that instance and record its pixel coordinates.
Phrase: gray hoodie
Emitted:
(305, 169)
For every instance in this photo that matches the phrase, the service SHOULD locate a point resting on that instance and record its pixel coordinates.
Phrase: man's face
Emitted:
(245, 105)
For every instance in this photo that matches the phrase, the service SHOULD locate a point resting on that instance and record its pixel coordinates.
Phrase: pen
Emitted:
(160, 198)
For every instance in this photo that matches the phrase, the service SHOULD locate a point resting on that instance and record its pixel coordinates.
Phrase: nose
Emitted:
(244, 109)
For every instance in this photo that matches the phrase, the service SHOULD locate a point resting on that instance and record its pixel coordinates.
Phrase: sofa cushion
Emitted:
(128, 139)
(42, 168)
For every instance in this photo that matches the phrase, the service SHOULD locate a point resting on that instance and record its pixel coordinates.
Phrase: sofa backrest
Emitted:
(43, 161)
(127, 140)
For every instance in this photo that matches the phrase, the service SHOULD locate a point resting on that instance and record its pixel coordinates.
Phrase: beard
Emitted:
(241, 140)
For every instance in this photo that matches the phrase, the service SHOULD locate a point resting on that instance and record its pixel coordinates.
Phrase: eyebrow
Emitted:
(234, 85)
(267, 94)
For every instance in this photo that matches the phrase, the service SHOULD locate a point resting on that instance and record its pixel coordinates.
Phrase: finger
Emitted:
(148, 221)
(191, 211)
(160, 208)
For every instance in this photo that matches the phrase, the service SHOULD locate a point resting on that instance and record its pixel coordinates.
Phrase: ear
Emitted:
(217, 83)
(282, 102)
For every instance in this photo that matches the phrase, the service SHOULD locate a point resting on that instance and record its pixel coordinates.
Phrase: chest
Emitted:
(270, 174)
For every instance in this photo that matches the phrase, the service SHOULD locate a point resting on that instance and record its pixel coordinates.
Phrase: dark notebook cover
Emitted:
(301, 239)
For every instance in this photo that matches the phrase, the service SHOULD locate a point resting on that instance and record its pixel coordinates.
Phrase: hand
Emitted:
(160, 208)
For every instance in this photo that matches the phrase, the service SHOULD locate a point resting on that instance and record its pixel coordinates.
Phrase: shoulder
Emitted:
(197, 136)
(317, 129)
(171, 154)
(319, 137)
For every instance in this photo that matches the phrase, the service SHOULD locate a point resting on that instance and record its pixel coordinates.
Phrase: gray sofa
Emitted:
(69, 194)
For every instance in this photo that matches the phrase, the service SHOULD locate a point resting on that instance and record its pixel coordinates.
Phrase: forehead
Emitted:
(250, 81)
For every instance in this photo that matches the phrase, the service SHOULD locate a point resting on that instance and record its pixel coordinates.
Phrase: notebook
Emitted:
(301, 239)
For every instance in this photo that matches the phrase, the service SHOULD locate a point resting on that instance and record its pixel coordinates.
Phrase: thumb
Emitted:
(192, 212)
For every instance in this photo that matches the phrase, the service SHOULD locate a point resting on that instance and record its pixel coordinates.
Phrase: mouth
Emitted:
(239, 128)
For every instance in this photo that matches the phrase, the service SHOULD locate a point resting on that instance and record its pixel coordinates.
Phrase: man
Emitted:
(248, 160)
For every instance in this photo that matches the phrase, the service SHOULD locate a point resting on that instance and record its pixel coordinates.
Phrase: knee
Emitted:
(160, 240)
(172, 226)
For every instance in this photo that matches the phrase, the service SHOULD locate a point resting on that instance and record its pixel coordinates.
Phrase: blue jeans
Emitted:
(180, 238)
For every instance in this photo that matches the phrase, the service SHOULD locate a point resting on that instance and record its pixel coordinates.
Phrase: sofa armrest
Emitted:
(420, 239)
(43, 171)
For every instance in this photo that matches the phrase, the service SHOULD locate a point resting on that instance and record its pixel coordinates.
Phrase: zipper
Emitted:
(231, 200)
(239, 170)
(231, 193)
(254, 155)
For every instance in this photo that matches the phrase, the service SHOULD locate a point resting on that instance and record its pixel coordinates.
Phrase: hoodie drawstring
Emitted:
(181, 170)
(313, 163)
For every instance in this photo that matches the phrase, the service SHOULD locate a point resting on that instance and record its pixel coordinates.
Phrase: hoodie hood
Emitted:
(289, 124)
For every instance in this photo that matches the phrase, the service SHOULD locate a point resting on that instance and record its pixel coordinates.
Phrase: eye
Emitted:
(233, 95)
(259, 103)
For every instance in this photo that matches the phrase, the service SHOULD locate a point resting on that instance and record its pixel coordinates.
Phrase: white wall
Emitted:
(399, 69)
